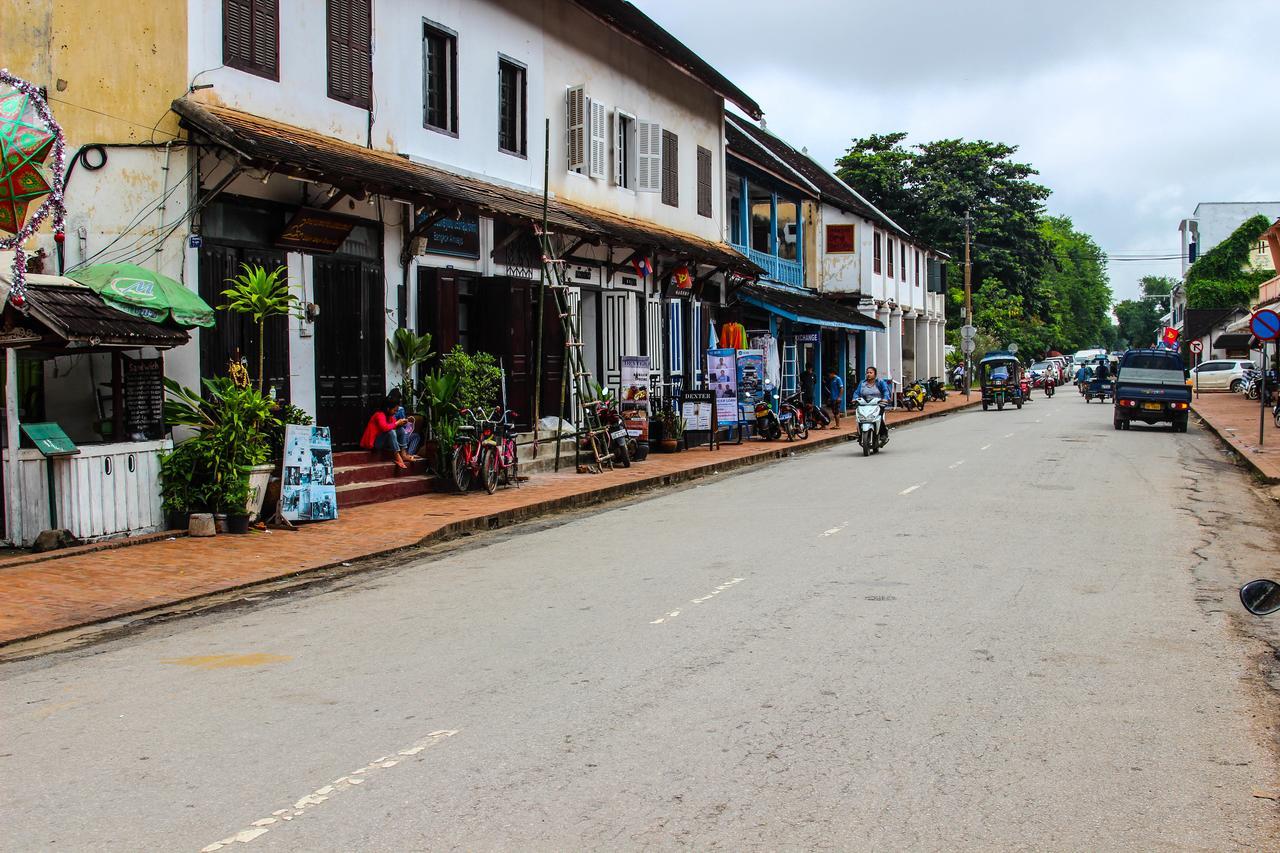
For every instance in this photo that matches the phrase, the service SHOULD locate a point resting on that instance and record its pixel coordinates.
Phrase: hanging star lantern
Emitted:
(28, 136)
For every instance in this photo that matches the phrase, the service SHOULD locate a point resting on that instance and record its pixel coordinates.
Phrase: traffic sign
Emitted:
(967, 332)
(1265, 325)
(966, 346)
(1013, 348)
(1197, 346)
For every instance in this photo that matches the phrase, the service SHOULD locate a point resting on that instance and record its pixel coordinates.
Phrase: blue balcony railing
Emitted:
(776, 269)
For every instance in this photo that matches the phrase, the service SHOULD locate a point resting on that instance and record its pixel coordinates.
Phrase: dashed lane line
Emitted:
(833, 531)
(909, 489)
(986, 447)
(356, 777)
(956, 464)
(1008, 435)
(721, 588)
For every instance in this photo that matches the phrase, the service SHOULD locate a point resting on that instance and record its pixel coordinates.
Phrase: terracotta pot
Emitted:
(669, 445)
(238, 523)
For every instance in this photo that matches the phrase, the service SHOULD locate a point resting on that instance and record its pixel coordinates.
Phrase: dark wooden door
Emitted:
(237, 332)
(350, 335)
(438, 307)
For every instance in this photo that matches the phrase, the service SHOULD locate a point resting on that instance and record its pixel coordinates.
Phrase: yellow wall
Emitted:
(112, 68)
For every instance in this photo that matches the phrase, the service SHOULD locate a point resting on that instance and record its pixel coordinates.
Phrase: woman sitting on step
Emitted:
(388, 429)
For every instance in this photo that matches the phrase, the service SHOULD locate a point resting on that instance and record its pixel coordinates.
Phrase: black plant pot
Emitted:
(238, 523)
(178, 520)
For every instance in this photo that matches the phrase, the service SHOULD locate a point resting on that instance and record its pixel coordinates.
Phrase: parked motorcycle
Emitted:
(622, 445)
(914, 396)
(936, 389)
(768, 426)
(870, 416)
(791, 416)
(812, 416)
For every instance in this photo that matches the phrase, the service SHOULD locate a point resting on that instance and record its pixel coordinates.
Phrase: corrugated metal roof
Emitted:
(304, 153)
(747, 149)
(627, 19)
(808, 307)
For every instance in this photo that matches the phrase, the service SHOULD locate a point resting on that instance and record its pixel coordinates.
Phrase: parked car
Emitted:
(1224, 374)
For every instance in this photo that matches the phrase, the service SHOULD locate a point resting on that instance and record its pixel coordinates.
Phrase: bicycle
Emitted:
(499, 456)
(465, 454)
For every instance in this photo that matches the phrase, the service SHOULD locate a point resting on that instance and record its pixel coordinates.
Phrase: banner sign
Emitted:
(722, 378)
(635, 383)
(316, 231)
(840, 239)
(459, 237)
(696, 408)
(751, 376)
(307, 489)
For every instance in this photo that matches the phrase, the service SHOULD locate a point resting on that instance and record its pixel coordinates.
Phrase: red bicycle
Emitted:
(485, 450)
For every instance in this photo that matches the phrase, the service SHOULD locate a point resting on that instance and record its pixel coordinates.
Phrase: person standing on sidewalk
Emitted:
(835, 395)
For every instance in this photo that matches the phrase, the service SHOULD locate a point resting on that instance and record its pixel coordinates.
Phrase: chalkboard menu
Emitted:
(143, 397)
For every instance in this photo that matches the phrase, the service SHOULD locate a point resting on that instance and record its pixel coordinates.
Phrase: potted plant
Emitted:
(261, 295)
(409, 350)
(672, 431)
(177, 487)
(233, 499)
(440, 397)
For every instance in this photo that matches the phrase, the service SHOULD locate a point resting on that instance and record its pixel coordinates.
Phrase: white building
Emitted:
(1214, 221)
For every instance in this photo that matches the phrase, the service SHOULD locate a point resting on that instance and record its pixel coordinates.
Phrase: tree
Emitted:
(261, 295)
(1073, 285)
(1138, 318)
(928, 188)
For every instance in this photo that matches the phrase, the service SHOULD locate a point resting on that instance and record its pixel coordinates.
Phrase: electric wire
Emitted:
(147, 210)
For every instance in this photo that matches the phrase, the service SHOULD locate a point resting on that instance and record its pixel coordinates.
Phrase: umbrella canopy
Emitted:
(143, 293)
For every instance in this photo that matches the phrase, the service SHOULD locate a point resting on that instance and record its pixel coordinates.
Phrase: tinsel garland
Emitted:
(54, 204)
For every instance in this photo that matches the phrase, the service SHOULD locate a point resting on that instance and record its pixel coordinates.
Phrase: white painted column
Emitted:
(924, 348)
(302, 343)
(880, 352)
(12, 473)
(895, 347)
(940, 344)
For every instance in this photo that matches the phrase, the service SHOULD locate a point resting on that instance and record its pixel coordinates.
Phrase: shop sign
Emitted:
(457, 237)
(722, 378)
(840, 239)
(307, 488)
(751, 376)
(696, 408)
(50, 440)
(806, 338)
(635, 383)
(317, 231)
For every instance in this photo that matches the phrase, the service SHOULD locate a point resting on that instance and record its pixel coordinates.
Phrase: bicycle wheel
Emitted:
(513, 470)
(489, 468)
(459, 469)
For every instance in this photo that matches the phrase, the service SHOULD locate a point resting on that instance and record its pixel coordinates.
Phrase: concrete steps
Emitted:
(366, 477)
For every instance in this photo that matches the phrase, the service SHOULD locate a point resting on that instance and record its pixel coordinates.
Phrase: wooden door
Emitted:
(237, 332)
(350, 335)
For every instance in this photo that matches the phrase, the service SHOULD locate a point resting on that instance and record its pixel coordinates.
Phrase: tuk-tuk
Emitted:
(999, 373)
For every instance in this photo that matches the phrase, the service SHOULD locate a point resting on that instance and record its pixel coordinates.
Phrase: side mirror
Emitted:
(1260, 597)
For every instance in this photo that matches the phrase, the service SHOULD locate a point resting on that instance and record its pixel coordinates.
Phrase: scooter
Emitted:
(937, 391)
(621, 442)
(871, 433)
(791, 417)
(913, 396)
(768, 426)
(1024, 386)
(1049, 385)
(812, 416)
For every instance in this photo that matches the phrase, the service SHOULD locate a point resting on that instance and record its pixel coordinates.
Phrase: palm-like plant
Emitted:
(408, 350)
(261, 295)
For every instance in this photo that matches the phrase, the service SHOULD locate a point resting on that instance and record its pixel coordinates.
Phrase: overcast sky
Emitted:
(1132, 110)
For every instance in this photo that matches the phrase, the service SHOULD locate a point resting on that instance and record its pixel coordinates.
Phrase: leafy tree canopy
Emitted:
(1138, 318)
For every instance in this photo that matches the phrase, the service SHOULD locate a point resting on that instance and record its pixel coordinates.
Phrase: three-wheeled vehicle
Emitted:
(999, 373)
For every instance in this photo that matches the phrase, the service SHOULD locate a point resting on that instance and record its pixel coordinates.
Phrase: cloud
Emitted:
(1132, 110)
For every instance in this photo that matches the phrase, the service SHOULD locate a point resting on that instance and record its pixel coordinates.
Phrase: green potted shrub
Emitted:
(408, 350)
(178, 492)
(233, 498)
(440, 392)
(261, 295)
(672, 431)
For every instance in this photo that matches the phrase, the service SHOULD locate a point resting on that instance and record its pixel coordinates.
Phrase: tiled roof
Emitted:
(77, 314)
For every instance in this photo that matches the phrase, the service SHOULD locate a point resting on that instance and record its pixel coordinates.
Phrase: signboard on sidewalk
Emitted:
(307, 488)
(635, 383)
(722, 378)
(696, 408)
(751, 376)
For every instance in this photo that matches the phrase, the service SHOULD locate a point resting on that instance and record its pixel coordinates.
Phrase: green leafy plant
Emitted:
(672, 424)
(234, 492)
(479, 376)
(408, 350)
(261, 295)
(440, 394)
(179, 492)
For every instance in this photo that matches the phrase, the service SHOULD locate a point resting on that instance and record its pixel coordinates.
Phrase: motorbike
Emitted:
(812, 416)
(1253, 383)
(870, 417)
(768, 426)
(1024, 385)
(1049, 386)
(621, 443)
(914, 396)
(791, 417)
(936, 390)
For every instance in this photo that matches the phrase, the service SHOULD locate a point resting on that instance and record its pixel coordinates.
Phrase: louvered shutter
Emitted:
(339, 43)
(237, 32)
(362, 53)
(266, 35)
(598, 154)
(670, 169)
(619, 149)
(649, 156)
(577, 128)
(704, 182)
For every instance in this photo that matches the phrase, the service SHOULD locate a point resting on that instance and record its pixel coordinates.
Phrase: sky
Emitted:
(1133, 111)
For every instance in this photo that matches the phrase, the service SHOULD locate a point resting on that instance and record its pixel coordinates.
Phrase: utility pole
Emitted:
(968, 306)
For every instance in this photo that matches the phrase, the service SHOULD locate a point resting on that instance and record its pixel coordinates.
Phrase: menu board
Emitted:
(143, 398)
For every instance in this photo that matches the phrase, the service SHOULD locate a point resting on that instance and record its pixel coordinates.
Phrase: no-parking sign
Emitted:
(1265, 325)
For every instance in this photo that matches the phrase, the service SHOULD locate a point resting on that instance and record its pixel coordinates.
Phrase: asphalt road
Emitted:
(1010, 630)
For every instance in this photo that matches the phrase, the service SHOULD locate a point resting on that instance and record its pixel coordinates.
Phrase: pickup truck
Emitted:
(1152, 388)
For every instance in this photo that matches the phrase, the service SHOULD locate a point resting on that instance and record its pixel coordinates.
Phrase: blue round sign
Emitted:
(1265, 325)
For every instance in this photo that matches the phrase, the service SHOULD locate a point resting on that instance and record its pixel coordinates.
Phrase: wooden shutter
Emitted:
(598, 155)
(704, 182)
(648, 156)
(670, 169)
(251, 36)
(619, 148)
(350, 51)
(577, 128)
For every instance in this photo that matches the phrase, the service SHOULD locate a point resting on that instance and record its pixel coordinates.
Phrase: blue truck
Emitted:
(1152, 388)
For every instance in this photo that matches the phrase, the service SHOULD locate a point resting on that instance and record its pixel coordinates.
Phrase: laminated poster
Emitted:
(307, 489)
(722, 378)
(635, 383)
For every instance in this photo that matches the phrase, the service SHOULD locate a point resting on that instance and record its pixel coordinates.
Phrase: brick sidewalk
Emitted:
(1235, 420)
(39, 595)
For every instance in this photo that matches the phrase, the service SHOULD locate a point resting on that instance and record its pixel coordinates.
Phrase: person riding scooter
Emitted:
(874, 388)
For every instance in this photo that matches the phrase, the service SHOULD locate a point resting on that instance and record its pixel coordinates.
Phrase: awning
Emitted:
(290, 150)
(1233, 340)
(801, 306)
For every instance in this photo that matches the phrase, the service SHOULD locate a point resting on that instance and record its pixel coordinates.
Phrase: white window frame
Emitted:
(576, 94)
(624, 125)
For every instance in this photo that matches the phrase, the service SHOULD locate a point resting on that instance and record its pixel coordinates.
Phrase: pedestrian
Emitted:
(387, 432)
(835, 395)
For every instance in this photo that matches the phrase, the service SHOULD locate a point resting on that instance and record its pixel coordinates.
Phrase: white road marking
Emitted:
(721, 588)
(911, 489)
(956, 464)
(833, 531)
(986, 447)
(261, 827)
(1008, 435)
(1037, 420)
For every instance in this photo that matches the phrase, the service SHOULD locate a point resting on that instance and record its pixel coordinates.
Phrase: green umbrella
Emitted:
(143, 293)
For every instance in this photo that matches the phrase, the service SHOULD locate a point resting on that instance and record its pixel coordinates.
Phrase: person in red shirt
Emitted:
(386, 431)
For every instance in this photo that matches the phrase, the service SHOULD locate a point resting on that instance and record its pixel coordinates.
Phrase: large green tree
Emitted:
(1138, 318)
(1073, 289)
(928, 189)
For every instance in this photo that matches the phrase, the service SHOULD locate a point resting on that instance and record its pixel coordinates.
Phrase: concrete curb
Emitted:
(480, 523)
(1240, 455)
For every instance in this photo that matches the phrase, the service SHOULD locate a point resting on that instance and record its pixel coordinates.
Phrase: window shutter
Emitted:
(577, 128)
(619, 148)
(670, 169)
(266, 35)
(599, 153)
(362, 53)
(237, 32)
(704, 182)
(649, 159)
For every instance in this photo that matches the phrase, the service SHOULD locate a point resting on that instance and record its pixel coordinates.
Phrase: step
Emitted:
(383, 469)
(378, 491)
